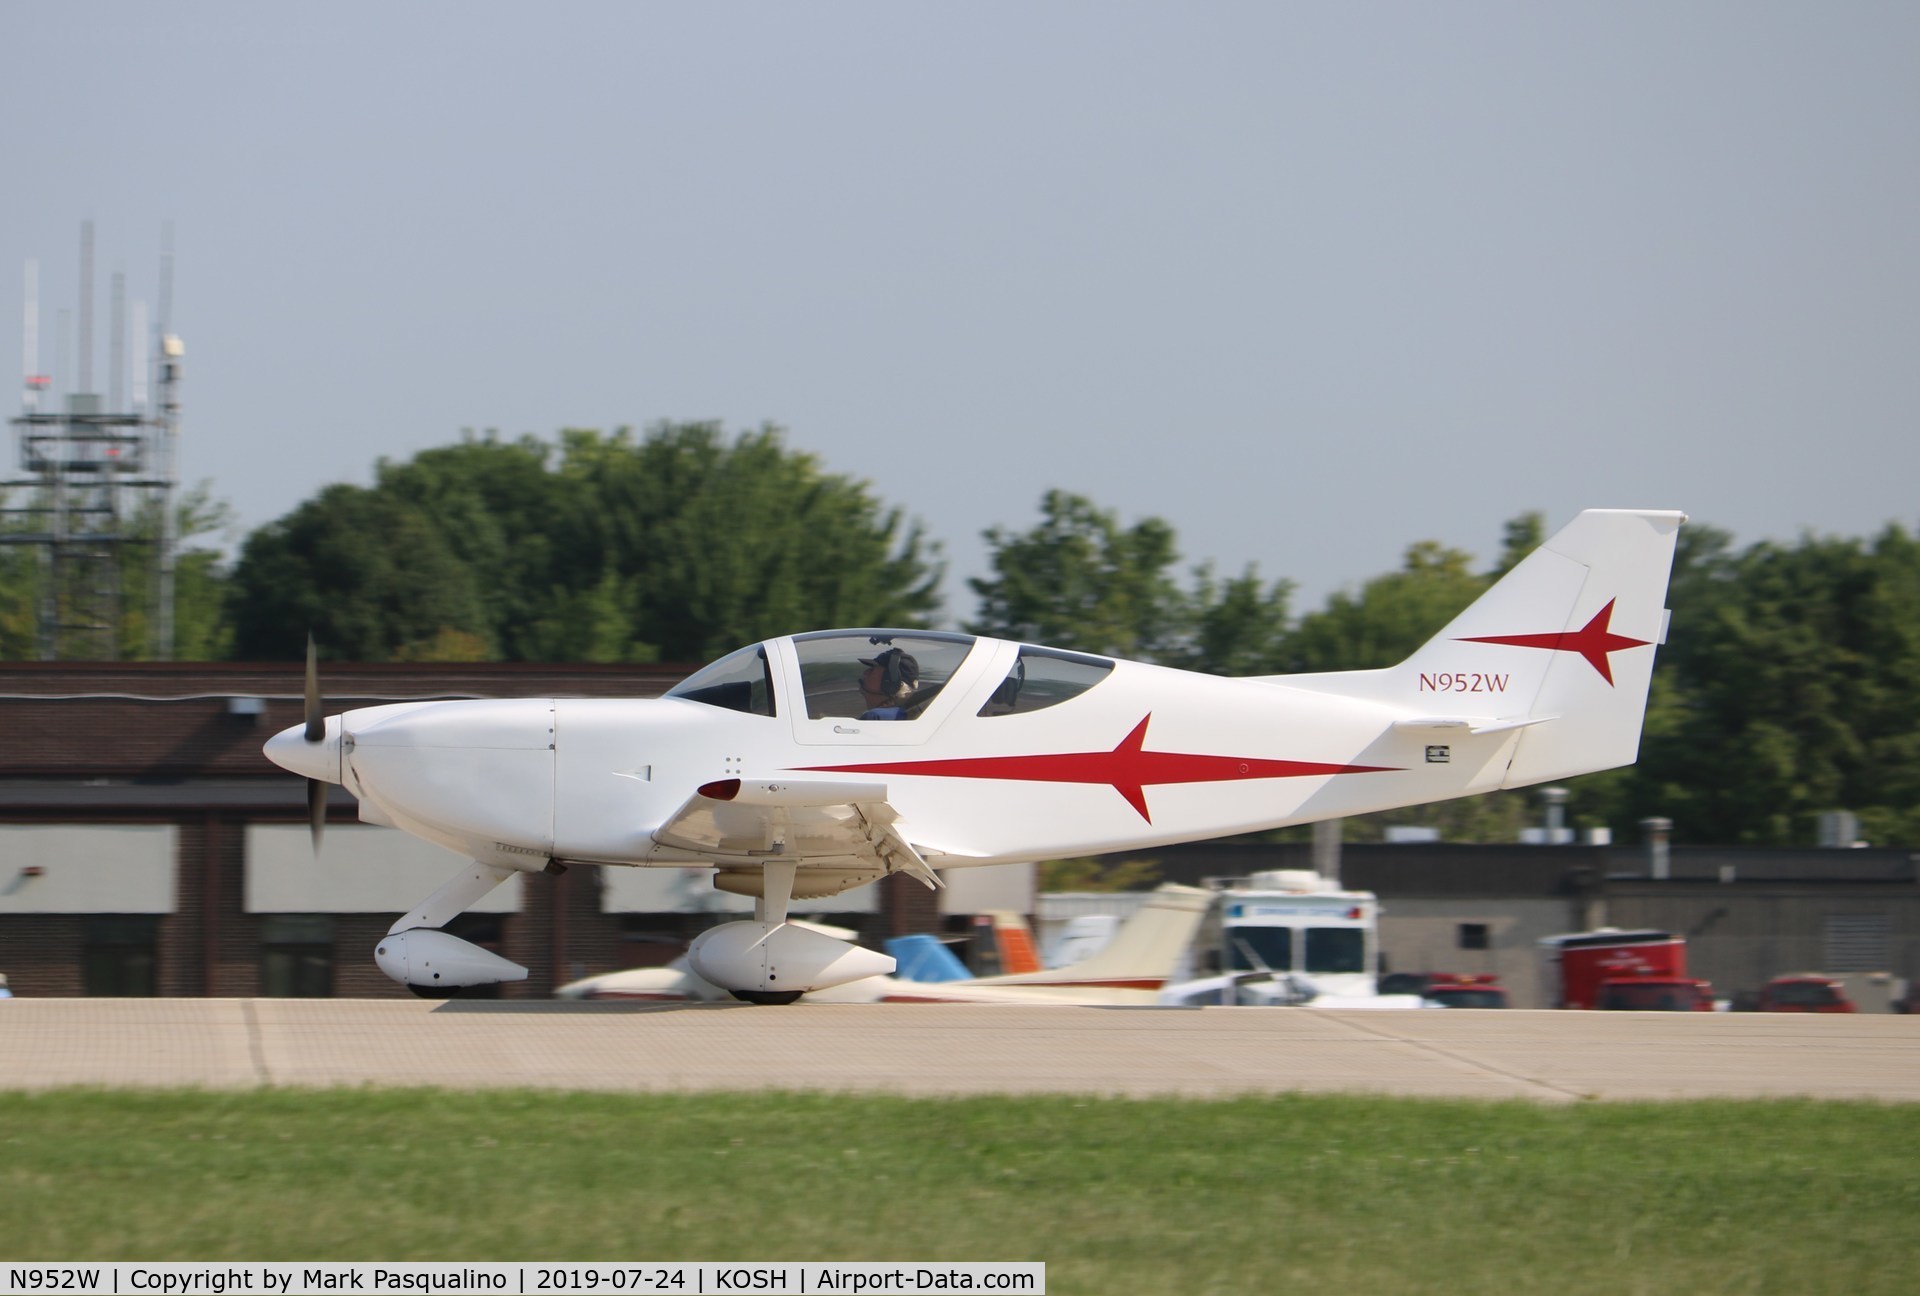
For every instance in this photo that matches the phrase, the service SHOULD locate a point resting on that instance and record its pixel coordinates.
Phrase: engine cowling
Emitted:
(430, 961)
(780, 959)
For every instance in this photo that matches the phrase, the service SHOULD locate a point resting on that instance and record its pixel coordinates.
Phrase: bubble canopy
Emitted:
(884, 674)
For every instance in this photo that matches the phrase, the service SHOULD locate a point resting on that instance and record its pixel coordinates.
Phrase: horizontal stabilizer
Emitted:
(1470, 724)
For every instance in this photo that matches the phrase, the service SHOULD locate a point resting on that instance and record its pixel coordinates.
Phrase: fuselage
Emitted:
(1109, 755)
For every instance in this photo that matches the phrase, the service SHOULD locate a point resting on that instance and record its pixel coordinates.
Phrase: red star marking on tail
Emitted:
(1128, 769)
(1594, 641)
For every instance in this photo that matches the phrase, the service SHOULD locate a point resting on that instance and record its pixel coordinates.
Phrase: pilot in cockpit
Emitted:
(887, 683)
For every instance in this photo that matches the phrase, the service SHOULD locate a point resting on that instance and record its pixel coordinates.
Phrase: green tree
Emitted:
(1520, 536)
(1239, 624)
(728, 542)
(1079, 579)
(19, 583)
(1099, 875)
(200, 628)
(1794, 675)
(1391, 616)
(1885, 787)
(677, 546)
(371, 577)
(201, 631)
(503, 517)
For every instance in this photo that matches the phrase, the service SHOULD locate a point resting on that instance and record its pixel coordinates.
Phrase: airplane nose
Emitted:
(290, 750)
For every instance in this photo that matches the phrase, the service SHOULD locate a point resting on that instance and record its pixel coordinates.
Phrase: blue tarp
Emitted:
(924, 958)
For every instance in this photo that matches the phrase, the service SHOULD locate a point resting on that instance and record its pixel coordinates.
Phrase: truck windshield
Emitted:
(1327, 949)
(1336, 949)
(1259, 948)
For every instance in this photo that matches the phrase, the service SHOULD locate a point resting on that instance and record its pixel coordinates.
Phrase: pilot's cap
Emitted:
(897, 662)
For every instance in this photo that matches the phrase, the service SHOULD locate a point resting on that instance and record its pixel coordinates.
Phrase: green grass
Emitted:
(1278, 1194)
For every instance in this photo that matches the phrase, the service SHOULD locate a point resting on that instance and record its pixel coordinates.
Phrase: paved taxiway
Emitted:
(953, 1049)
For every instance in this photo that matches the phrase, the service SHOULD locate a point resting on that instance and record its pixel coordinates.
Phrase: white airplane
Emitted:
(1147, 953)
(809, 764)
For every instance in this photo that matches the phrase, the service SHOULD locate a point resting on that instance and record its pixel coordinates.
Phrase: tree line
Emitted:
(1790, 684)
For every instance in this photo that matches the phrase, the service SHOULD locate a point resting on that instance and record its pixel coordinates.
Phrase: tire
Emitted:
(766, 996)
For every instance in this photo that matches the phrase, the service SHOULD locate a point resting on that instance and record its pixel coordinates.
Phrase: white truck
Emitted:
(1291, 936)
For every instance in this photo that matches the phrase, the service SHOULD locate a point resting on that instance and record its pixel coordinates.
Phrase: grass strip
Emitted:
(1295, 1192)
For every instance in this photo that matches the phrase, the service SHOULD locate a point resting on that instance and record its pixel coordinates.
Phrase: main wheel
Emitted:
(435, 992)
(767, 996)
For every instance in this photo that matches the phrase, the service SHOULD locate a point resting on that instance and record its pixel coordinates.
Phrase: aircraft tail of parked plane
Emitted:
(1557, 625)
(1145, 952)
(1150, 950)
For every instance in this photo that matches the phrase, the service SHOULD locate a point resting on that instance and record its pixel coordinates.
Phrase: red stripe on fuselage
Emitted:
(1128, 769)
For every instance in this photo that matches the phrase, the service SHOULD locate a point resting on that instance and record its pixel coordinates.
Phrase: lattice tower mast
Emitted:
(98, 476)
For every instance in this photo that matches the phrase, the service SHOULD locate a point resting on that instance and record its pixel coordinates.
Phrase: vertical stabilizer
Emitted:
(1598, 667)
(1149, 949)
(1560, 650)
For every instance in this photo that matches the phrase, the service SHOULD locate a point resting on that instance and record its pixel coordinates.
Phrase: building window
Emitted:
(119, 959)
(1473, 936)
(296, 956)
(1858, 943)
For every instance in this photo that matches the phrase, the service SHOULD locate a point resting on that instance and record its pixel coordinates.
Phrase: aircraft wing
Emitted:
(819, 821)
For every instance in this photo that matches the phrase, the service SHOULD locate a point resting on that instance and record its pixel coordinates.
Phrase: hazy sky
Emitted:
(1312, 282)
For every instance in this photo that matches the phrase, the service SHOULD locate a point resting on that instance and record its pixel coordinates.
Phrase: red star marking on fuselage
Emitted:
(1593, 641)
(1128, 769)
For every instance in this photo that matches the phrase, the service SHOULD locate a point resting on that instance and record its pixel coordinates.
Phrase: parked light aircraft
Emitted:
(1148, 952)
(813, 763)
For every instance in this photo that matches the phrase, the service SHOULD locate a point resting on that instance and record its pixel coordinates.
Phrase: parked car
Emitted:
(1655, 994)
(1447, 989)
(1402, 983)
(1459, 990)
(1804, 992)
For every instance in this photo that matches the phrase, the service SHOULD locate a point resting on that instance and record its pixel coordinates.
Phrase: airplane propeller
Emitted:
(316, 733)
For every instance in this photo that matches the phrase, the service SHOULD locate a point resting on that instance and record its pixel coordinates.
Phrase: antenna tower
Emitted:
(97, 477)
